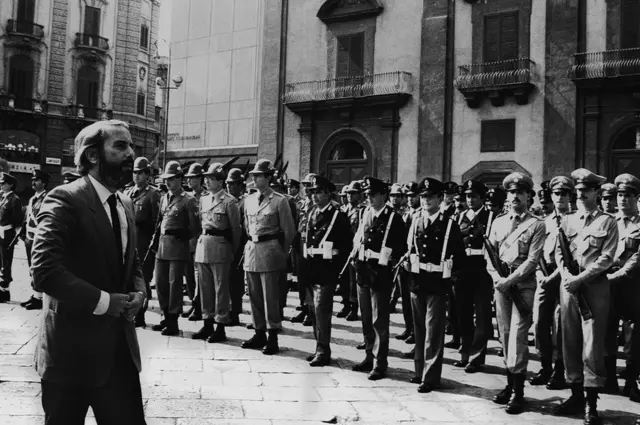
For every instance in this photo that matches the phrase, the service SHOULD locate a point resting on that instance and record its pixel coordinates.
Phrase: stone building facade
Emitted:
(66, 64)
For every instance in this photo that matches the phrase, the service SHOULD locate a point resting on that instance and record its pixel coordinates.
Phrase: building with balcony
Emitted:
(68, 63)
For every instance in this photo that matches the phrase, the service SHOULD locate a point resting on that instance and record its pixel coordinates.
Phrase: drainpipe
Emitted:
(448, 92)
(282, 80)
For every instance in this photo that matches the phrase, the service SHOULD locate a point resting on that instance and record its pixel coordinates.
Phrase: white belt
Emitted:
(431, 268)
(320, 251)
(368, 254)
(471, 251)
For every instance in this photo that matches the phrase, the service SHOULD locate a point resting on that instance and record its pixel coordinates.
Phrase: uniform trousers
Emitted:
(321, 312)
(169, 275)
(514, 328)
(473, 293)
(583, 342)
(548, 334)
(6, 258)
(353, 284)
(303, 277)
(429, 307)
(213, 281)
(190, 277)
(28, 244)
(237, 285)
(405, 293)
(117, 402)
(264, 296)
(374, 295)
(625, 304)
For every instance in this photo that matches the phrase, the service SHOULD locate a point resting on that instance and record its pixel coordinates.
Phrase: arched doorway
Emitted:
(347, 158)
(625, 153)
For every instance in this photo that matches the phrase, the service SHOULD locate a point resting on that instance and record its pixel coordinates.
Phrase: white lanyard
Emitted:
(326, 235)
(386, 232)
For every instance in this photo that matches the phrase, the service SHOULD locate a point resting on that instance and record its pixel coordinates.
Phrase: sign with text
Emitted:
(22, 167)
(53, 161)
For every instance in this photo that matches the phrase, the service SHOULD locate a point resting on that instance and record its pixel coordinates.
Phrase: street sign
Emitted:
(53, 161)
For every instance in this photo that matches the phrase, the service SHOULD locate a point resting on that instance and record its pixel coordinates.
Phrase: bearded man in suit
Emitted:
(85, 261)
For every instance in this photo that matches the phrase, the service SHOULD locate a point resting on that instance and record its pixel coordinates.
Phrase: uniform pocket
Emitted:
(596, 239)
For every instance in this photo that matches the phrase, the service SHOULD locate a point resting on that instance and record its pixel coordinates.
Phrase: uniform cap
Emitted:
(475, 186)
(263, 166)
(172, 169)
(451, 188)
(497, 196)
(195, 170)
(8, 178)
(293, 183)
(396, 189)
(343, 191)
(429, 186)
(517, 181)
(235, 175)
(374, 185)
(215, 170)
(40, 175)
(608, 189)
(411, 189)
(544, 195)
(354, 187)
(459, 194)
(561, 183)
(545, 185)
(307, 179)
(141, 164)
(628, 183)
(585, 179)
(322, 183)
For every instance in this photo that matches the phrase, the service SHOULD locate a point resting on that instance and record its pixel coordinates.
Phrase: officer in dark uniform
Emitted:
(235, 187)
(546, 203)
(379, 244)
(10, 219)
(146, 201)
(435, 251)
(39, 182)
(178, 217)
(326, 248)
(495, 200)
(474, 287)
(448, 206)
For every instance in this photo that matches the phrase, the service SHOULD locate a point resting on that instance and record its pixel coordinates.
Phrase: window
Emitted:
(26, 10)
(21, 71)
(498, 136)
(88, 90)
(350, 60)
(92, 20)
(630, 31)
(144, 36)
(157, 114)
(349, 150)
(500, 37)
(141, 103)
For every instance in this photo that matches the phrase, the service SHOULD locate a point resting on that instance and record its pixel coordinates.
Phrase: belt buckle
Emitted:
(254, 238)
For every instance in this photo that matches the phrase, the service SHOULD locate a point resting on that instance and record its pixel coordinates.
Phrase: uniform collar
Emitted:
(521, 216)
(326, 207)
(632, 218)
(593, 214)
(218, 194)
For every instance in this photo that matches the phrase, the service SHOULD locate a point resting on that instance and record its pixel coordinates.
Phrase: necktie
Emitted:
(115, 220)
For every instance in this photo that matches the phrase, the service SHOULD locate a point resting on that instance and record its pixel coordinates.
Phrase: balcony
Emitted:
(82, 112)
(91, 42)
(25, 29)
(496, 80)
(610, 64)
(11, 103)
(391, 87)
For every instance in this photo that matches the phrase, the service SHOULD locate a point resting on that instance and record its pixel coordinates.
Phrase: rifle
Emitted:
(14, 241)
(153, 238)
(515, 295)
(352, 255)
(572, 265)
(397, 267)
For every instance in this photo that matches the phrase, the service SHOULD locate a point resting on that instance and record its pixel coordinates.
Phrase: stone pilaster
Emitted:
(126, 56)
(58, 51)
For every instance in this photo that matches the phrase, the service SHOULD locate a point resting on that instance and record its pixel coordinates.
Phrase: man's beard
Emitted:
(115, 174)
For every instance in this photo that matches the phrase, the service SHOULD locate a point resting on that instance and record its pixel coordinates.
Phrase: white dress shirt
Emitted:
(104, 194)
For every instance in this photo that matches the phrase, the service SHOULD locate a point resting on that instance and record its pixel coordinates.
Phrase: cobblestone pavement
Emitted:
(187, 382)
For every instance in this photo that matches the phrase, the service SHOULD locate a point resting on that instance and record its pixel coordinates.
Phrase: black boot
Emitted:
(272, 343)
(611, 383)
(591, 408)
(196, 314)
(257, 341)
(188, 312)
(163, 323)
(235, 319)
(557, 381)
(574, 404)
(346, 309)
(353, 313)
(543, 376)
(219, 335)
(172, 326)
(504, 396)
(205, 331)
(516, 402)
(301, 316)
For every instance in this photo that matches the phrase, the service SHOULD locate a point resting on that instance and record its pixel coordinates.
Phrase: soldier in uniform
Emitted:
(195, 181)
(235, 188)
(397, 201)
(379, 243)
(593, 238)
(326, 248)
(608, 198)
(344, 200)
(39, 182)
(217, 245)
(448, 206)
(146, 201)
(302, 271)
(548, 335)
(517, 238)
(546, 203)
(271, 228)
(474, 287)
(625, 294)
(435, 250)
(10, 219)
(495, 200)
(178, 217)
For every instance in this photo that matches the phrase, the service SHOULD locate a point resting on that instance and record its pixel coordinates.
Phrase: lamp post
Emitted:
(167, 87)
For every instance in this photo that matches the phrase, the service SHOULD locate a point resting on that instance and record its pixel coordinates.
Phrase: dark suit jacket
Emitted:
(74, 257)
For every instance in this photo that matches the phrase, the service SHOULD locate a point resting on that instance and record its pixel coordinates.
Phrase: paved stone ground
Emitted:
(186, 382)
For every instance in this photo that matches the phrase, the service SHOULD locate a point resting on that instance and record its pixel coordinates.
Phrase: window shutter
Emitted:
(498, 136)
(92, 20)
(26, 10)
(356, 55)
(630, 33)
(491, 38)
(509, 36)
(144, 36)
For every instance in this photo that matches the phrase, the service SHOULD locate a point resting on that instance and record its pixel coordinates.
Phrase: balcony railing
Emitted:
(91, 41)
(607, 64)
(84, 112)
(11, 102)
(26, 28)
(496, 80)
(389, 83)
